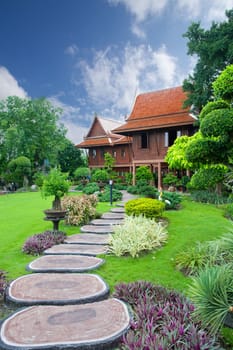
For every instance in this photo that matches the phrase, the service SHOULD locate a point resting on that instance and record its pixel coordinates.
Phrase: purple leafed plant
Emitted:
(36, 244)
(162, 320)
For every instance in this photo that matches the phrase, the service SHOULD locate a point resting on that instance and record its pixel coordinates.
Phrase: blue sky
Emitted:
(95, 56)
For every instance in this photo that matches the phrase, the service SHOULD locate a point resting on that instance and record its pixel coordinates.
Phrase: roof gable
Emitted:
(157, 103)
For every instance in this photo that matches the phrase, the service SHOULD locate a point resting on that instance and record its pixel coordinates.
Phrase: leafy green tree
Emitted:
(30, 128)
(143, 173)
(214, 51)
(19, 170)
(70, 158)
(223, 85)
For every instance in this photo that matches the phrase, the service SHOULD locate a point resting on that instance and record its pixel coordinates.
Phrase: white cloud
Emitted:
(115, 77)
(72, 50)
(72, 119)
(9, 85)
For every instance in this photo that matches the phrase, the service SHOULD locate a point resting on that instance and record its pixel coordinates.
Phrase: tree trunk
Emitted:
(57, 203)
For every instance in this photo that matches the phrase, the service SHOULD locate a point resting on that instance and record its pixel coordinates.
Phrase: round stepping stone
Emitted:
(88, 238)
(96, 229)
(117, 210)
(104, 222)
(77, 249)
(65, 263)
(56, 288)
(116, 216)
(94, 326)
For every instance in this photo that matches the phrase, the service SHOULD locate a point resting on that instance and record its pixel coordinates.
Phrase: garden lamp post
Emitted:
(110, 184)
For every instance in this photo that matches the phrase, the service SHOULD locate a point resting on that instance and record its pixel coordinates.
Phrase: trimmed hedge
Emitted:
(150, 208)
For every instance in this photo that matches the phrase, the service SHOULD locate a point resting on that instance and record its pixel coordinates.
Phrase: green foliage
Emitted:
(30, 127)
(55, 184)
(170, 179)
(228, 211)
(211, 292)
(136, 235)
(208, 197)
(207, 178)
(144, 173)
(100, 175)
(129, 178)
(148, 191)
(218, 123)
(70, 158)
(214, 51)
(105, 195)
(132, 189)
(212, 106)
(175, 156)
(82, 173)
(38, 179)
(171, 200)
(223, 85)
(150, 208)
(20, 169)
(90, 188)
(80, 209)
(109, 162)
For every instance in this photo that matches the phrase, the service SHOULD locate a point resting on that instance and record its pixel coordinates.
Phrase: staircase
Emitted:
(61, 304)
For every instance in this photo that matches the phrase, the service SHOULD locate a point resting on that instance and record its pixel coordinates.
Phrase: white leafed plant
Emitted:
(137, 234)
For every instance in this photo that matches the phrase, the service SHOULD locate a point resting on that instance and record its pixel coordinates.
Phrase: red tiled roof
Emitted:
(156, 110)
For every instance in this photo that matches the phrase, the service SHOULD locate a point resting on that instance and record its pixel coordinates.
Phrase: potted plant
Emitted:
(55, 184)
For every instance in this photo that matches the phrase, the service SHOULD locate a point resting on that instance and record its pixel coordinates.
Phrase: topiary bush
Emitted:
(80, 209)
(150, 208)
(36, 244)
(91, 188)
(105, 195)
(162, 320)
(136, 235)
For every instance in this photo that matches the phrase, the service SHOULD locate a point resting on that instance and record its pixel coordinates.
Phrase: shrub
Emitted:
(132, 189)
(100, 175)
(171, 200)
(36, 244)
(150, 208)
(136, 235)
(212, 294)
(91, 188)
(162, 319)
(143, 172)
(119, 186)
(228, 211)
(105, 195)
(3, 283)
(170, 179)
(80, 209)
(148, 191)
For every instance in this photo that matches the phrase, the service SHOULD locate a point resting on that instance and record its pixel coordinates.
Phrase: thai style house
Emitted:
(156, 120)
(100, 140)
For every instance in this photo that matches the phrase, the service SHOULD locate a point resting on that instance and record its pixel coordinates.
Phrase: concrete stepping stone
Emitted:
(115, 216)
(104, 222)
(117, 210)
(88, 238)
(77, 249)
(57, 289)
(65, 263)
(96, 229)
(96, 325)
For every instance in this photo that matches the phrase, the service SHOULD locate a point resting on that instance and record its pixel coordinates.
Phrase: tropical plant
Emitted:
(162, 319)
(80, 209)
(211, 292)
(150, 208)
(55, 184)
(136, 235)
(171, 200)
(36, 244)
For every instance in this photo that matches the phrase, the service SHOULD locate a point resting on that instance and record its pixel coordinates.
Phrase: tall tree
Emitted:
(30, 128)
(214, 51)
(70, 158)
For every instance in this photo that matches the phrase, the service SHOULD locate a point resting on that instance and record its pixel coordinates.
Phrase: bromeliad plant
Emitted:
(136, 235)
(162, 320)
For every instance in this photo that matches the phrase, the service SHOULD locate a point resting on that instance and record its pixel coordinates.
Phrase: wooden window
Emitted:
(94, 153)
(144, 140)
(169, 137)
(102, 153)
(114, 153)
(123, 153)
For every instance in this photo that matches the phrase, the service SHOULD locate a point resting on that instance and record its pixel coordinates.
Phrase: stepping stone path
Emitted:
(65, 307)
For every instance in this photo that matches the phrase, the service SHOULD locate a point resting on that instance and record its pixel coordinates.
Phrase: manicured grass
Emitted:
(21, 217)
(194, 222)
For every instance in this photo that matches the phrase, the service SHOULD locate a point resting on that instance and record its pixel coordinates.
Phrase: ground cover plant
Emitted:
(36, 244)
(162, 319)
